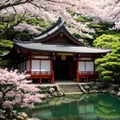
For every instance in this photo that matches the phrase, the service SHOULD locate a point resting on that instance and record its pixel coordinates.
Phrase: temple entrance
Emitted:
(64, 69)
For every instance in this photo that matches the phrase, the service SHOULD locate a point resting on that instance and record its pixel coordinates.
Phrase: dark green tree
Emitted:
(5, 46)
(108, 66)
(22, 36)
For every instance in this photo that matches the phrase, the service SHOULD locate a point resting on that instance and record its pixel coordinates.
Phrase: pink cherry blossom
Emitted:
(50, 10)
(16, 90)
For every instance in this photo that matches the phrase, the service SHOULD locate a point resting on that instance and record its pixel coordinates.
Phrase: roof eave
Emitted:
(17, 46)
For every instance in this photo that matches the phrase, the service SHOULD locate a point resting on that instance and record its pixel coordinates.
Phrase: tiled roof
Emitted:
(58, 23)
(50, 30)
(61, 48)
(57, 27)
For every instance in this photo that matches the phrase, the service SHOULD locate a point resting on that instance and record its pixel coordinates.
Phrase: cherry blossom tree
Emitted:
(102, 10)
(10, 3)
(16, 90)
(8, 18)
(105, 11)
(50, 10)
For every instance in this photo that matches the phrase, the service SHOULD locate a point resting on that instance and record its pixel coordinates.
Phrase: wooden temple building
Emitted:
(55, 54)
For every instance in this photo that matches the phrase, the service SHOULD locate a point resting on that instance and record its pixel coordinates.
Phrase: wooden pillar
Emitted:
(95, 79)
(51, 69)
(94, 71)
(87, 79)
(70, 70)
(30, 66)
(77, 72)
(40, 81)
(25, 65)
(52, 77)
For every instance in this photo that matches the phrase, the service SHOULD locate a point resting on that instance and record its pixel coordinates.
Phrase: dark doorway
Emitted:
(64, 69)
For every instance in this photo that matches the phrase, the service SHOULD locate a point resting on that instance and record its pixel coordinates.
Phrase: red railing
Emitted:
(87, 75)
(42, 75)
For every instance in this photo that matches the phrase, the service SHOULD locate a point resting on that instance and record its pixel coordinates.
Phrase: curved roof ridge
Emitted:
(58, 27)
(58, 23)
(20, 41)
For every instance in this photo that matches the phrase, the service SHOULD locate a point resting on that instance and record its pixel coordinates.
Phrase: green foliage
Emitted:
(77, 35)
(36, 21)
(10, 34)
(5, 45)
(108, 66)
(1, 27)
(8, 22)
(99, 27)
(107, 73)
(106, 41)
(71, 12)
(23, 36)
(6, 63)
(81, 18)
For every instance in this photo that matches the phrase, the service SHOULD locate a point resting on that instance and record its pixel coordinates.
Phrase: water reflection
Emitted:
(78, 107)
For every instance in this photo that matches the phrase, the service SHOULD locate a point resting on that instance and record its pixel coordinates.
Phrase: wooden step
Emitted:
(70, 88)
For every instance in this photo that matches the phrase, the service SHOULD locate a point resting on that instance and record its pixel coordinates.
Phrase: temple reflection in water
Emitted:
(78, 107)
(66, 107)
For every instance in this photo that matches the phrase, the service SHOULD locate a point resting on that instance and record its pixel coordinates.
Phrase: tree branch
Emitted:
(17, 2)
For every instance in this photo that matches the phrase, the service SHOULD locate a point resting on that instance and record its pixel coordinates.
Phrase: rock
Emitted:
(61, 93)
(2, 116)
(112, 92)
(51, 90)
(22, 116)
(87, 87)
(93, 91)
(103, 91)
(118, 94)
(94, 87)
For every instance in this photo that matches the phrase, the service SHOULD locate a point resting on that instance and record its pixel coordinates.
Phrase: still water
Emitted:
(78, 107)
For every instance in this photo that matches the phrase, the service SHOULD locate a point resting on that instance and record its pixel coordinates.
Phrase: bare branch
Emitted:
(22, 18)
(15, 3)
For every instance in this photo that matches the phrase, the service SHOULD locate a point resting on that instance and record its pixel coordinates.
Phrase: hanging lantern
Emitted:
(63, 57)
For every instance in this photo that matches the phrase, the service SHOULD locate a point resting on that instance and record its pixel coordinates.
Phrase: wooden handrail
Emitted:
(87, 72)
(86, 75)
(42, 75)
(41, 72)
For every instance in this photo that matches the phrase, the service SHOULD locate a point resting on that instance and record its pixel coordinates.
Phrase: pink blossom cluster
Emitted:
(106, 10)
(50, 10)
(26, 27)
(16, 90)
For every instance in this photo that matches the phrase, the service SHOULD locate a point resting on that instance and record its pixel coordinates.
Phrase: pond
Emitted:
(78, 107)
